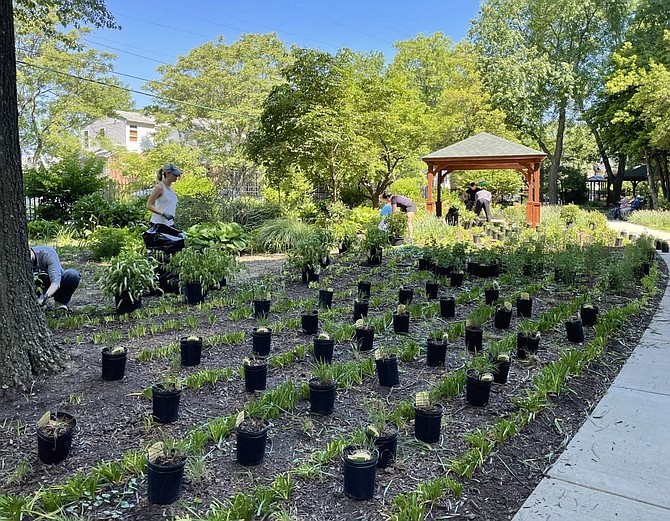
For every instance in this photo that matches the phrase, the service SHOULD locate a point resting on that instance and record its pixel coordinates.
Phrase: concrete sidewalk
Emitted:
(617, 467)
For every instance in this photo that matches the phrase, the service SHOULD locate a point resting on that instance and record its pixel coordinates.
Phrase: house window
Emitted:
(133, 133)
(101, 132)
(86, 139)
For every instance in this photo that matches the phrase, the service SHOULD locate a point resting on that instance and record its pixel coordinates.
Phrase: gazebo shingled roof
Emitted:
(482, 152)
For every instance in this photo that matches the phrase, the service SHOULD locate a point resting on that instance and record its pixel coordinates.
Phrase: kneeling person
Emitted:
(60, 284)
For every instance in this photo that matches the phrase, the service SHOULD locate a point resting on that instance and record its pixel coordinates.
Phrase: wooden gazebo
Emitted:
(486, 152)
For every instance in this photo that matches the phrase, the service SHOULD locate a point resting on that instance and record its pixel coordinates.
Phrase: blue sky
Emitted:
(157, 31)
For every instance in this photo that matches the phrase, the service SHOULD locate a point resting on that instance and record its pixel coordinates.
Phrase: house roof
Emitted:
(639, 173)
(135, 117)
(484, 145)
(596, 178)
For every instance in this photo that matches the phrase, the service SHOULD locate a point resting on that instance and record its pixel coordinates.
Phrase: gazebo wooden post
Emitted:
(429, 191)
(438, 203)
(533, 205)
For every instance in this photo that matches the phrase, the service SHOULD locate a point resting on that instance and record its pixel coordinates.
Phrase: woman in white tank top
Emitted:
(163, 201)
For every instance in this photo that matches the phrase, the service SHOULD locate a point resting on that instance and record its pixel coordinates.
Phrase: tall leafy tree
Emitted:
(225, 86)
(541, 60)
(62, 87)
(27, 347)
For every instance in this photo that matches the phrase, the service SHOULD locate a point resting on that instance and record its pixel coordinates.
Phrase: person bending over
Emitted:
(59, 283)
(483, 200)
(403, 204)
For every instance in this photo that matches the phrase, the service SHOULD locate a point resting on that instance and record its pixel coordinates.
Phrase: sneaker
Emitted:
(61, 307)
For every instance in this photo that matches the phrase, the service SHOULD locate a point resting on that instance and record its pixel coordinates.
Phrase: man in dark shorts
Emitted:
(471, 192)
(403, 204)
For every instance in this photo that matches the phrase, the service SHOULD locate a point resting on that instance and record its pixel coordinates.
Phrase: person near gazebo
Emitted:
(402, 204)
(483, 201)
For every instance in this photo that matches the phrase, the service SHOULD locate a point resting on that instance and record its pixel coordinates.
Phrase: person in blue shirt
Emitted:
(60, 284)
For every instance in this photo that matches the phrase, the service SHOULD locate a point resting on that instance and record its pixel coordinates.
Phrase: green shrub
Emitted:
(106, 243)
(280, 235)
(195, 209)
(40, 229)
(95, 210)
(249, 212)
(230, 236)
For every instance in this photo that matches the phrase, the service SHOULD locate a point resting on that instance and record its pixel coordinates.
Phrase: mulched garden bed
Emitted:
(114, 417)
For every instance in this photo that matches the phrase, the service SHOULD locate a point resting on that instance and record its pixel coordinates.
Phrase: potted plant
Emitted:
(456, 278)
(344, 233)
(491, 293)
(326, 298)
(474, 333)
(364, 288)
(261, 340)
(589, 314)
(261, 298)
(405, 295)
(323, 348)
(165, 400)
(197, 271)
(432, 289)
(448, 306)
(527, 339)
(386, 363)
(427, 418)
(127, 278)
(190, 350)
(574, 329)
(397, 227)
(500, 358)
(384, 434)
(165, 472)
(310, 253)
(114, 362)
(54, 436)
(479, 377)
(401, 319)
(361, 305)
(251, 435)
(255, 373)
(373, 242)
(322, 389)
(524, 305)
(360, 467)
(503, 316)
(436, 348)
(310, 321)
(365, 334)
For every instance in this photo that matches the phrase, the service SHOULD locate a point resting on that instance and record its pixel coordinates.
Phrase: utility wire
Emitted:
(134, 91)
(123, 51)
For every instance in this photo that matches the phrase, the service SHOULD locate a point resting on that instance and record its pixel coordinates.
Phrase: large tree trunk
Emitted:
(27, 347)
(650, 179)
(558, 154)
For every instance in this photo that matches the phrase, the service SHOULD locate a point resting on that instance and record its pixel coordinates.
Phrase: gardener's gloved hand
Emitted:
(42, 299)
(168, 216)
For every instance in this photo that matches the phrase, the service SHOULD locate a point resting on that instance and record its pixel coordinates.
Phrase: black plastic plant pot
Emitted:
(325, 299)
(165, 403)
(432, 288)
(500, 371)
(424, 264)
(261, 308)
(54, 449)
(190, 351)
(448, 307)
(193, 293)
(405, 296)
(164, 482)
(387, 446)
(360, 309)
(524, 307)
(251, 443)
(526, 345)
(442, 271)
(474, 339)
(456, 279)
(387, 371)
(427, 423)
(665, 247)
(658, 244)
(113, 366)
(491, 295)
(401, 323)
(323, 350)
(309, 275)
(502, 318)
(396, 241)
(574, 331)
(473, 268)
(359, 476)
(125, 305)
(476, 391)
(589, 315)
(375, 257)
(261, 341)
(321, 397)
(255, 377)
(436, 352)
(365, 338)
(364, 289)
(310, 322)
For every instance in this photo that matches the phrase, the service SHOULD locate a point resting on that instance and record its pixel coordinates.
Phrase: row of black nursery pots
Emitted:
(662, 246)
(474, 268)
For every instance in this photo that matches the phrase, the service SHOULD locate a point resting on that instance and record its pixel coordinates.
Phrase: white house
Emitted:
(132, 130)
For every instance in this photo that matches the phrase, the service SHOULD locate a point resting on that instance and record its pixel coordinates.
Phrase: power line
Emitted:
(123, 51)
(134, 91)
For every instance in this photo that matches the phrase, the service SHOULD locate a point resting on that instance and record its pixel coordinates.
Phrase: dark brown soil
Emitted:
(113, 418)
